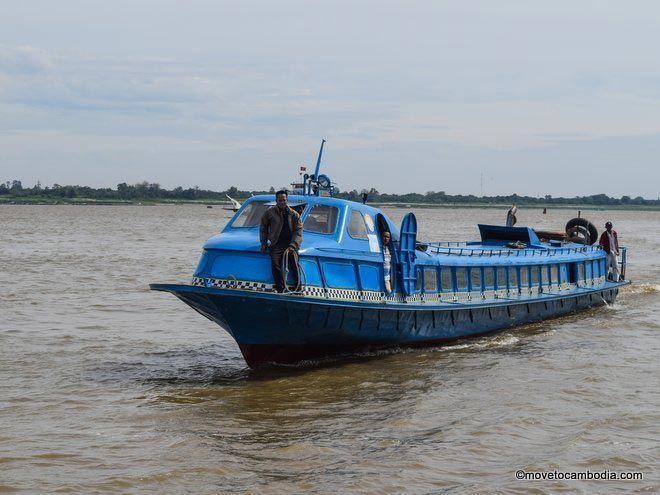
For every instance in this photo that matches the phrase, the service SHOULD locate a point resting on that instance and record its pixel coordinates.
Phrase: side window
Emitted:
(371, 225)
(489, 277)
(594, 268)
(430, 280)
(501, 277)
(251, 215)
(554, 275)
(418, 282)
(513, 277)
(356, 227)
(581, 275)
(447, 283)
(524, 277)
(461, 278)
(562, 273)
(536, 276)
(475, 278)
(321, 219)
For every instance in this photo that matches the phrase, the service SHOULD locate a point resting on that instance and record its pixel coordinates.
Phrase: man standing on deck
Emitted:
(609, 240)
(387, 261)
(281, 226)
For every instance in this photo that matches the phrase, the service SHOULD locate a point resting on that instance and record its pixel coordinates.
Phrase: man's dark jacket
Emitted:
(271, 226)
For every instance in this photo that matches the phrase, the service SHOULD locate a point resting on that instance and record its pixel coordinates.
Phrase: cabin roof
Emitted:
(321, 200)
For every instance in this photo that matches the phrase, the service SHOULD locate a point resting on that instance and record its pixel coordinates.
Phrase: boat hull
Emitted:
(283, 329)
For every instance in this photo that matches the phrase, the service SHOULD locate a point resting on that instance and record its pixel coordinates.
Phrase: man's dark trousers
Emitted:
(276, 253)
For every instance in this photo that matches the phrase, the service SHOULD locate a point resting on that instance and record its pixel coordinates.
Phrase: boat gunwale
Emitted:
(394, 305)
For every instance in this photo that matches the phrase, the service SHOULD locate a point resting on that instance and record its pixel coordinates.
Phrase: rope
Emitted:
(285, 270)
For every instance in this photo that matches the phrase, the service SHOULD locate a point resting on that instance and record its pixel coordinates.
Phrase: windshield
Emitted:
(251, 215)
(321, 219)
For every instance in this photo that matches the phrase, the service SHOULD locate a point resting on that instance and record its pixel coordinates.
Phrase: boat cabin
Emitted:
(341, 256)
(341, 246)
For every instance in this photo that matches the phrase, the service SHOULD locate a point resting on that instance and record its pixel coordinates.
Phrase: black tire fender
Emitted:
(585, 224)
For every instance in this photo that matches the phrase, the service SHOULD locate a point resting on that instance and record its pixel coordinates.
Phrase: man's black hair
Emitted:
(282, 191)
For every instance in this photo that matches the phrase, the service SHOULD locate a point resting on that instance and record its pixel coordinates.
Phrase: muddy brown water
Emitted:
(106, 387)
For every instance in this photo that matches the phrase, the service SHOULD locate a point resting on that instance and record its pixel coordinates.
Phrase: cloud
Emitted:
(24, 60)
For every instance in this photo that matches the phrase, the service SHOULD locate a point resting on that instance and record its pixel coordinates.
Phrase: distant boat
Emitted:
(235, 205)
(209, 206)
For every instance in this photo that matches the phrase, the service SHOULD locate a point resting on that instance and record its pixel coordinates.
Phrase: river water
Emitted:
(106, 387)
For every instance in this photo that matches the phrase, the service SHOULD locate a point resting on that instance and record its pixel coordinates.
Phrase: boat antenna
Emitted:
(318, 161)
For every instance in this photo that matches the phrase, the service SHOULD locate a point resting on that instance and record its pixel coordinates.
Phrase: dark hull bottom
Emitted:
(273, 329)
(258, 355)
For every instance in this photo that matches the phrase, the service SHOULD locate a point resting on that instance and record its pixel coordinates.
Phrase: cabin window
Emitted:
(501, 277)
(430, 280)
(513, 277)
(581, 275)
(536, 276)
(475, 278)
(447, 283)
(562, 273)
(601, 269)
(594, 268)
(356, 226)
(418, 282)
(524, 277)
(588, 273)
(371, 225)
(251, 215)
(321, 219)
(489, 277)
(461, 279)
(572, 272)
(554, 274)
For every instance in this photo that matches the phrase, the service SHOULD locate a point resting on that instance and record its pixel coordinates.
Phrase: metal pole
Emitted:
(318, 161)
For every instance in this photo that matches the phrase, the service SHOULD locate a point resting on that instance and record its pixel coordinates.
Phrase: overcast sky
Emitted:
(541, 97)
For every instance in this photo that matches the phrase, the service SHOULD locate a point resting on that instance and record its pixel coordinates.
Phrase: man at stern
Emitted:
(282, 228)
(609, 240)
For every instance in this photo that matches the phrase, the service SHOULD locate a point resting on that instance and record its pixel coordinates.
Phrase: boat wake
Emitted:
(636, 288)
(483, 343)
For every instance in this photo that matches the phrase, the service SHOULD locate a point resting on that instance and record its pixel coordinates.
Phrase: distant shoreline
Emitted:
(215, 203)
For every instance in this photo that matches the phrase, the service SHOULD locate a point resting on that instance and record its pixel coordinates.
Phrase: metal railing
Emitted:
(462, 249)
(623, 262)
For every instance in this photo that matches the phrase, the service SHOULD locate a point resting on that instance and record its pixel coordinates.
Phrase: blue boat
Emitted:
(440, 291)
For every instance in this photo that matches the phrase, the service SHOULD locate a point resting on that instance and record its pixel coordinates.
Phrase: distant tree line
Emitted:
(128, 192)
(145, 191)
(440, 197)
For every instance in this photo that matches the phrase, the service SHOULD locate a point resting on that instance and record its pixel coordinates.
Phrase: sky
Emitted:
(536, 97)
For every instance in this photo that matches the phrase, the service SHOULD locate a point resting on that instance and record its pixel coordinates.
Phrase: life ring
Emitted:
(581, 231)
(323, 181)
(579, 235)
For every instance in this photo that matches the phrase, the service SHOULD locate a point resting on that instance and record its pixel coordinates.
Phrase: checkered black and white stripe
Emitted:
(344, 294)
(232, 284)
(395, 297)
(369, 295)
(375, 296)
(432, 298)
(312, 291)
(499, 293)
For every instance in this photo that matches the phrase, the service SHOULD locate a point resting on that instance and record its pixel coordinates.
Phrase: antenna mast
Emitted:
(318, 161)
